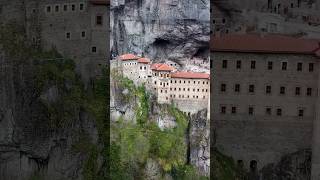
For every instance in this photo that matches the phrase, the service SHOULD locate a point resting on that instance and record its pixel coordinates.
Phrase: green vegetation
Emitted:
(224, 168)
(133, 143)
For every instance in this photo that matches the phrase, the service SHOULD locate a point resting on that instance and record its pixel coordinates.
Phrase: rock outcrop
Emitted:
(199, 139)
(161, 29)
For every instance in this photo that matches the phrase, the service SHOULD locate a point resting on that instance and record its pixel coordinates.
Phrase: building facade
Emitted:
(189, 91)
(265, 97)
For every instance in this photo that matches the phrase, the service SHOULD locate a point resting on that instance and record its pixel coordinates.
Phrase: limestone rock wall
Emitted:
(172, 29)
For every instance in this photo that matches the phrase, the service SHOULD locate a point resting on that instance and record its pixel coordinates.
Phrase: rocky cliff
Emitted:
(50, 127)
(170, 29)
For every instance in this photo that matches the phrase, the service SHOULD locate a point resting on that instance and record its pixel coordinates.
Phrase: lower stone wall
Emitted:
(263, 141)
(190, 106)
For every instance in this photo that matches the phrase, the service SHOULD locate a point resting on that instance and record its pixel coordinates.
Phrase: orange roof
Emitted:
(126, 57)
(267, 44)
(161, 67)
(144, 60)
(190, 75)
(100, 2)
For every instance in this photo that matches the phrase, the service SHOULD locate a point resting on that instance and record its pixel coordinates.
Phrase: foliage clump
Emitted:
(134, 143)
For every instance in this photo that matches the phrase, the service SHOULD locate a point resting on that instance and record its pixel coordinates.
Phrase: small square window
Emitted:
(48, 9)
(309, 91)
(311, 66)
(99, 20)
(279, 112)
(234, 110)
(223, 87)
(57, 7)
(238, 65)
(299, 66)
(297, 90)
(65, 7)
(282, 90)
(224, 64)
(223, 110)
(284, 66)
(251, 88)
(253, 64)
(237, 87)
(73, 7)
(250, 110)
(268, 89)
(68, 35)
(83, 34)
(270, 65)
(268, 111)
(81, 6)
(94, 49)
(300, 113)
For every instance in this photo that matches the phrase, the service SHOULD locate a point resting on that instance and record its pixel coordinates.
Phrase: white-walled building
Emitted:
(189, 91)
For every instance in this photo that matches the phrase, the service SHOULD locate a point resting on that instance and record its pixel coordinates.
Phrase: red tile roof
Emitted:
(190, 75)
(161, 67)
(100, 2)
(126, 57)
(144, 60)
(267, 44)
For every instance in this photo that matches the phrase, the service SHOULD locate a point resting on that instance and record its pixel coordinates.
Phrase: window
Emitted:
(68, 35)
(223, 87)
(94, 49)
(279, 112)
(238, 65)
(297, 90)
(234, 110)
(268, 89)
(57, 8)
(99, 20)
(270, 64)
(250, 111)
(282, 90)
(224, 64)
(65, 7)
(253, 64)
(83, 34)
(268, 111)
(237, 88)
(48, 9)
(300, 113)
(81, 6)
(223, 110)
(284, 66)
(251, 88)
(309, 91)
(73, 7)
(299, 66)
(311, 67)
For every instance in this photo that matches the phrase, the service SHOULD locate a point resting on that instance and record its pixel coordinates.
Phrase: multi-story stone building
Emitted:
(189, 91)
(265, 97)
(77, 29)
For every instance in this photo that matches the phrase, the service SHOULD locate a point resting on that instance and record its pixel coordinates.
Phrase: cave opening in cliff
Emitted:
(161, 42)
(202, 53)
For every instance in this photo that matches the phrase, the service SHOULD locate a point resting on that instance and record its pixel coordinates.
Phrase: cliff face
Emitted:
(45, 115)
(161, 29)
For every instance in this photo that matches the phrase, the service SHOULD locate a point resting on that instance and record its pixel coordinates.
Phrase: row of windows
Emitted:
(130, 64)
(184, 82)
(253, 65)
(188, 89)
(83, 35)
(268, 89)
(268, 111)
(184, 96)
(65, 7)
